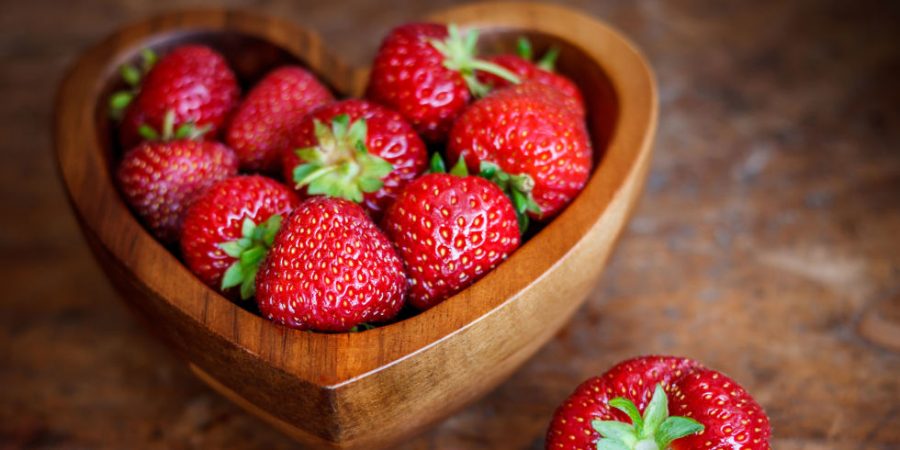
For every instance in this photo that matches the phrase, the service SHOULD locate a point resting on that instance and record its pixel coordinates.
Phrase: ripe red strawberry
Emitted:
(606, 412)
(357, 150)
(450, 230)
(634, 379)
(330, 269)
(527, 131)
(194, 81)
(159, 179)
(426, 72)
(542, 72)
(229, 228)
(260, 127)
(732, 417)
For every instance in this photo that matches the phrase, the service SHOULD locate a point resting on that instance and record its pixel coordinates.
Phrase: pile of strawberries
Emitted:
(334, 214)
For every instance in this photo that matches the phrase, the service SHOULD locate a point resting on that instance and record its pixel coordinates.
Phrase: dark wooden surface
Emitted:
(769, 225)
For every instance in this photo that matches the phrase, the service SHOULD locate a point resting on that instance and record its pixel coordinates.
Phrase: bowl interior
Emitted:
(251, 56)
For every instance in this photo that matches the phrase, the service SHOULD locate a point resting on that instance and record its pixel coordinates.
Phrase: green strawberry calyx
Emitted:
(655, 430)
(517, 187)
(132, 75)
(525, 51)
(188, 130)
(459, 169)
(340, 165)
(248, 252)
(460, 50)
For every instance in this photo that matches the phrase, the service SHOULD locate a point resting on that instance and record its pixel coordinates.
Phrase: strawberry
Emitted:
(450, 230)
(159, 179)
(330, 269)
(426, 72)
(627, 408)
(542, 72)
(636, 379)
(732, 418)
(526, 131)
(355, 150)
(260, 127)
(229, 228)
(194, 81)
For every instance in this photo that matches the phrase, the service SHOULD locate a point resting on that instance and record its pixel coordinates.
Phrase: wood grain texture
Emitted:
(425, 367)
(768, 226)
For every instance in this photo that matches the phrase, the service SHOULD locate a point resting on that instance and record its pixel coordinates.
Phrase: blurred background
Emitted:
(766, 244)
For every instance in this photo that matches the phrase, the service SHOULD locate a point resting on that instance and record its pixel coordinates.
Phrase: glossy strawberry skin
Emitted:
(633, 379)
(389, 136)
(408, 76)
(195, 82)
(260, 127)
(733, 419)
(160, 179)
(450, 231)
(330, 269)
(526, 129)
(694, 391)
(527, 70)
(216, 216)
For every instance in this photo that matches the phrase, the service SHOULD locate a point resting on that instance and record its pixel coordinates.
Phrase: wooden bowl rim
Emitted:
(345, 356)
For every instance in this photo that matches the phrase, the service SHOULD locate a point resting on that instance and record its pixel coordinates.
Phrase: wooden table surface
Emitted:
(768, 226)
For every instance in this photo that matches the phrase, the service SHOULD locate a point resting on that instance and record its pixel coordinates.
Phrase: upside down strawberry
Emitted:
(450, 229)
(627, 408)
(527, 131)
(193, 81)
(260, 127)
(356, 150)
(542, 72)
(330, 269)
(159, 179)
(427, 73)
(230, 227)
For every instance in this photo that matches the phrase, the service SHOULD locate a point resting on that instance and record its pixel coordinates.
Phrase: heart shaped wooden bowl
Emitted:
(375, 388)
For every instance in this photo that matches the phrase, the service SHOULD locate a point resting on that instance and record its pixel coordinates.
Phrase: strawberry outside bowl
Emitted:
(375, 388)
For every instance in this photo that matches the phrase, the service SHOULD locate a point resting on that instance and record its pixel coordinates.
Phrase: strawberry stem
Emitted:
(340, 165)
(168, 125)
(655, 430)
(459, 52)
(496, 69)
